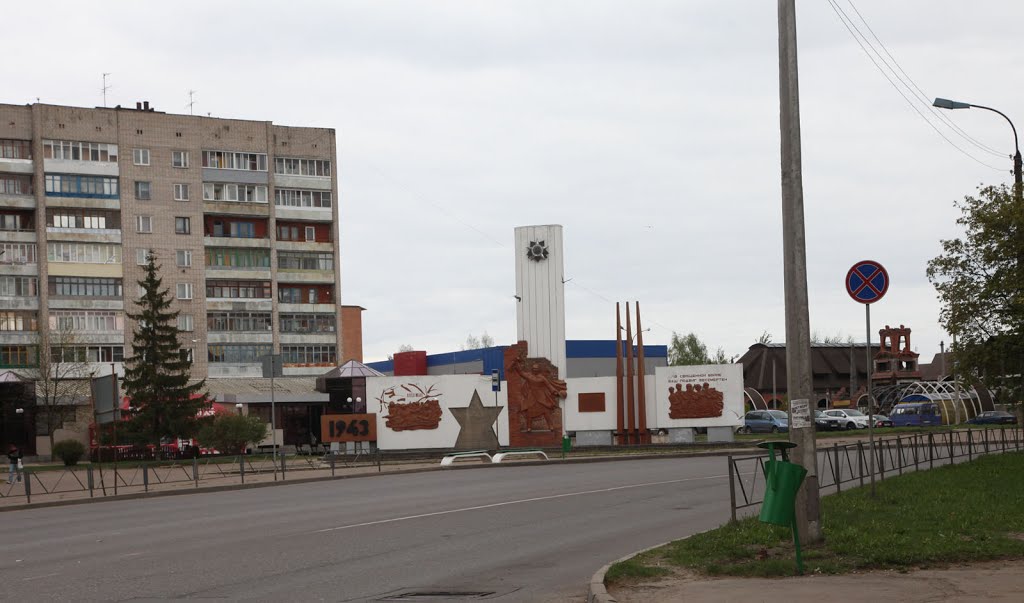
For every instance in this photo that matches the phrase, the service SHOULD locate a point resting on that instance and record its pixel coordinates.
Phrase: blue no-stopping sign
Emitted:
(867, 282)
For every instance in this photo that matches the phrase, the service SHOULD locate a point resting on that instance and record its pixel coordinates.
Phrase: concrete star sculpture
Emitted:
(476, 424)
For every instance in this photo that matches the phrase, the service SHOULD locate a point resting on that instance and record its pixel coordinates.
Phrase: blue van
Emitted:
(916, 414)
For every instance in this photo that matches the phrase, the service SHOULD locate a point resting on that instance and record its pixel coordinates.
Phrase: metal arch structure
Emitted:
(754, 397)
(972, 400)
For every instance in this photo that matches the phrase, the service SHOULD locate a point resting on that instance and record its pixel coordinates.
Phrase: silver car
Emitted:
(849, 419)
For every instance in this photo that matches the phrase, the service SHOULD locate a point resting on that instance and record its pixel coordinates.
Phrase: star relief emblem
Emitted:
(537, 251)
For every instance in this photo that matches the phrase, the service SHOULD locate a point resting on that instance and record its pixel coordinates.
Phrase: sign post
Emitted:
(866, 282)
(496, 387)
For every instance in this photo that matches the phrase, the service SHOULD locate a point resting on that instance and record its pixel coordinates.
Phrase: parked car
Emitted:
(765, 421)
(881, 421)
(916, 414)
(994, 417)
(849, 419)
(823, 422)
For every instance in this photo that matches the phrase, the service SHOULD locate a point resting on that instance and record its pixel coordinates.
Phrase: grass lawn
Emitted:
(968, 512)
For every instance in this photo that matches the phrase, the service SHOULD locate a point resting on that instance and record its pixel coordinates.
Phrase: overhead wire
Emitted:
(850, 26)
(921, 94)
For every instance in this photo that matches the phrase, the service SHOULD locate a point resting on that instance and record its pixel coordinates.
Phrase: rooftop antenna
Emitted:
(191, 100)
(105, 88)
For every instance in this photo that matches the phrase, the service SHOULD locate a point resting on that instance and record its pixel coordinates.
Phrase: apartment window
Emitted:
(308, 323)
(310, 233)
(239, 321)
(144, 224)
(238, 289)
(142, 190)
(18, 321)
(238, 353)
(83, 253)
(228, 160)
(245, 193)
(16, 222)
(185, 322)
(308, 354)
(15, 149)
(66, 217)
(183, 257)
(15, 184)
(301, 295)
(77, 185)
(186, 355)
(302, 167)
(182, 225)
(179, 159)
(292, 197)
(17, 356)
(78, 286)
(18, 253)
(142, 257)
(79, 151)
(92, 353)
(231, 257)
(243, 230)
(181, 192)
(95, 321)
(184, 290)
(305, 260)
(140, 156)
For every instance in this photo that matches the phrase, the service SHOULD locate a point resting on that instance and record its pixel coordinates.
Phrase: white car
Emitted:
(849, 419)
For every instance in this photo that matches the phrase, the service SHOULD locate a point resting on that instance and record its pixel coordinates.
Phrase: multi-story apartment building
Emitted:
(241, 215)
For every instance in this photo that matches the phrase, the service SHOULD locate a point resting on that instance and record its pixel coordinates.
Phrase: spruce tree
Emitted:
(156, 379)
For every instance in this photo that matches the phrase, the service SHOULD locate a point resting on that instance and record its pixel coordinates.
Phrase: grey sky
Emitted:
(648, 129)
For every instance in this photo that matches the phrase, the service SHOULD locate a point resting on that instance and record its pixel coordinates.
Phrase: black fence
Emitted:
(851, 465)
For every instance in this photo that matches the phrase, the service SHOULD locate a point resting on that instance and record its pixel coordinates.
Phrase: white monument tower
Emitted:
(540, 289)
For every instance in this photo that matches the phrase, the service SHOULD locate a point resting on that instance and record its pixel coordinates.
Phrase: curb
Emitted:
(308, 480)
(597, 592)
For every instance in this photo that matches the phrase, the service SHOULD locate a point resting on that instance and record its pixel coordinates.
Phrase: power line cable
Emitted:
(842, 18)
(916, 90)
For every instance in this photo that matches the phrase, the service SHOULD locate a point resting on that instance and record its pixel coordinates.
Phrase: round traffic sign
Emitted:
(867, 282)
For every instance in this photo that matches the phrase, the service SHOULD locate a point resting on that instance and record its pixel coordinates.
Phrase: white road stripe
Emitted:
(516, 502)
(38, 577)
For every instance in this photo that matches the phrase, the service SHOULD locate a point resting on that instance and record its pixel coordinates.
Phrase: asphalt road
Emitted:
(524, 533)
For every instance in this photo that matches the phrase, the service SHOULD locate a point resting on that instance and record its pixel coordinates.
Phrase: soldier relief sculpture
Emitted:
(534, 394)
(700, 402)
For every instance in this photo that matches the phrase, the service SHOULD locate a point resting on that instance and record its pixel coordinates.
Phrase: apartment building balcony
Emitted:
(252, 274)
(84, 303)
(317, 214)
(11, 302)
(72, 166)
(20, 337)
(19, 236)
(96, 337)
(83, 202)
(325, 247)
(84, 235)
(237, 208)
(17, 201)
(239, 305)
(84, 269)
(17, 166)
(210, 241)
(305, 276)
(318, 337)
(223, 337)
(310, 308)
(19, 269)
(322, 183)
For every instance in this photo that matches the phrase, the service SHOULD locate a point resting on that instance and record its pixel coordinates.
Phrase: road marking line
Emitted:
(515, 502)
(38, 577)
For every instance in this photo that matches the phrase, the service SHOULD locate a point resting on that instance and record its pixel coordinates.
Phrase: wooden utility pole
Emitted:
(794, 250)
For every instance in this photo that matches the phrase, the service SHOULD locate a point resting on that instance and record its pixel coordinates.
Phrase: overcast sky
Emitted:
(648, 129)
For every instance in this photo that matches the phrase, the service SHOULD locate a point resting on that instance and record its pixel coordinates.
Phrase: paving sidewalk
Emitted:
(999, 581)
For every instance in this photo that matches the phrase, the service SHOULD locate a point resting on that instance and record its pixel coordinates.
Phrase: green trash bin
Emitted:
(566, 444)
(784, 480)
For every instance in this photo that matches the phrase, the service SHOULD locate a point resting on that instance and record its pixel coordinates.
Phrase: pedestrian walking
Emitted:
(14, 458)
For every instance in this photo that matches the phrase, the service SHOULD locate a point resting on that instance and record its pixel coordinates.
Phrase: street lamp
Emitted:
(1018, 191)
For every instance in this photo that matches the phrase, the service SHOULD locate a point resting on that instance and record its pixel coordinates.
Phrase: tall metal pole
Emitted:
(794, 252)
(956, 384)
(641, 393)
(620, 403)
(871, 398)
(273, 412)
(630, 411)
